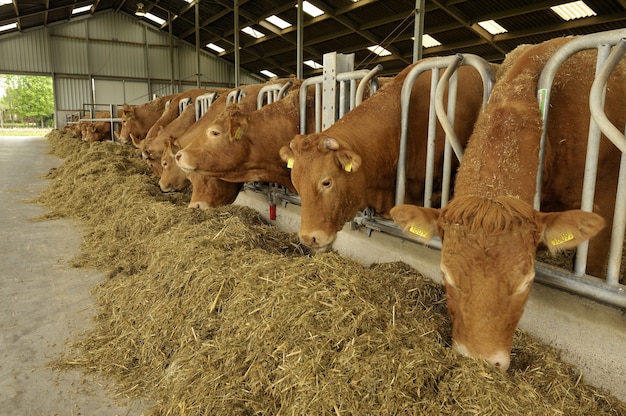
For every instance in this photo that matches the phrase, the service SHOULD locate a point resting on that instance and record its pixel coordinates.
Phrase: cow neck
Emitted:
(269, 128)
(501, 157)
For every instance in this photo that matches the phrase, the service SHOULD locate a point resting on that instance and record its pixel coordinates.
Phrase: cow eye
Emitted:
(214, 133)
(327, 183)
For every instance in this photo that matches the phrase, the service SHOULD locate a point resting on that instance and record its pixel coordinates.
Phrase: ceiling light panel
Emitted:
(277, 21)
(492, 27)
(574, 10)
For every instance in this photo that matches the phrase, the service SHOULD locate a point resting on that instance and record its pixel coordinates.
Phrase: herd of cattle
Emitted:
(489, 230)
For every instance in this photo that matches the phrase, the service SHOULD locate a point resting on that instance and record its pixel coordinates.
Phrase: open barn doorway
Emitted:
(26, 105)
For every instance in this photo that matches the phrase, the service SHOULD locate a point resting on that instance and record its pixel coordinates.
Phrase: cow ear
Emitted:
(136, 141)
(563, 230)
(287, 156)
(237, 127)
(348, 160)
(416, 220)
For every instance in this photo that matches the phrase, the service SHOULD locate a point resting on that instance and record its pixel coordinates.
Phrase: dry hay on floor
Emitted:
(218, 313)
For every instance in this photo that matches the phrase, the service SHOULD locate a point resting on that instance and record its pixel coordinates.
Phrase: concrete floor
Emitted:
(43, 300)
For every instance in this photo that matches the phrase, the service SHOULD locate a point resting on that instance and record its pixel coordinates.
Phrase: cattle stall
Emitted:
(369, 235)
(608, 290)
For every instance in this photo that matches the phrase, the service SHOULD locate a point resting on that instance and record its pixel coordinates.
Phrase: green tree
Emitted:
(30, 97)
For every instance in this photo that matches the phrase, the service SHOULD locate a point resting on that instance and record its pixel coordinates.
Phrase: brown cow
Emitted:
(352, 164)
(136, 121)
(490, 231)
(169, 114)
(152, 146)
(243, 146)
(99, 131)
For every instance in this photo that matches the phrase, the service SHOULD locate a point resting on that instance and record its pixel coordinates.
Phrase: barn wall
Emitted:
(112, 56)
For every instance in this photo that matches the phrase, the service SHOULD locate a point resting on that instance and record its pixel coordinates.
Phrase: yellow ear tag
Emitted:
(418, 231)
(238, 133)
(564, 237)
(348, 167)
(290, 163)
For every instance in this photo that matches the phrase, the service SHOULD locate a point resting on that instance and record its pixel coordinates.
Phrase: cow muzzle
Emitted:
(499, 359)
(183, 162)
(318, 240)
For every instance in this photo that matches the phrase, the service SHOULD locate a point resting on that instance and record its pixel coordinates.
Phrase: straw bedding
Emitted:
(218, 313)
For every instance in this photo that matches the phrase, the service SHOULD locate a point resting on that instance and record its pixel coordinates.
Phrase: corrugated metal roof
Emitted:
(346, 27)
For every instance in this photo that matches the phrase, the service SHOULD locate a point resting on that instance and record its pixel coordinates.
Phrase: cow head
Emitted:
(211, 192)
(326, 175)
(487, 261)
(172, 177)
(128, 124)
(220, 148)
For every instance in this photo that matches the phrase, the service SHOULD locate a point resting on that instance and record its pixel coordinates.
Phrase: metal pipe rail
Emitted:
(203, 102)
(273, 92)
(436, 94)
(596, 106)
(182, 104)
(604, 66)
(343, 79)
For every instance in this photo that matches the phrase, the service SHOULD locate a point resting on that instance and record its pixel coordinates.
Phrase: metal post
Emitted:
(418, 31)
(299, 41)
(237, 61)
(197, 9)
(169, 23)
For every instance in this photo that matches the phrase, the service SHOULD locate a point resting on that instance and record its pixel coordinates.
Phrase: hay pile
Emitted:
(218, 313)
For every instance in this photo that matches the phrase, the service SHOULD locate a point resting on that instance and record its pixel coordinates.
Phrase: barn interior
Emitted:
(88, 48)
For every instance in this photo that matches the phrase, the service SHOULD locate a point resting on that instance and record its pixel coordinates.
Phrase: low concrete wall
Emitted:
(590, 335)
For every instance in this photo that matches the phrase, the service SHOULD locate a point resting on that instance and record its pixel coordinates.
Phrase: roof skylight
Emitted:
(267, 73)
(313, 64)
(277, 21)
(379, 50)
(82, 9)
(254, 33)
(492, 27)
(310, 9)
(429, 42)
(573, 10)
(215, 47)
(156, 19)
(9, 26)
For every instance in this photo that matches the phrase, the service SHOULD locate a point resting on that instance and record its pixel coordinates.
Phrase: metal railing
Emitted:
(349, 95)
(203, 102)
(607, 290)
(436, 112)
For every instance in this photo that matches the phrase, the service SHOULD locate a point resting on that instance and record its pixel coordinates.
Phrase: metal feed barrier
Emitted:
(80, 116)
(446, 118)
(608, 291)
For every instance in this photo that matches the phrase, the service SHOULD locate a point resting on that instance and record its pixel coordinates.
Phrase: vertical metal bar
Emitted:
(236, 34)
(447, 153)
(342, 99)
(197, 23)
(431, 141)
(318, 108)
(418, 31)
(591, 167)
(619, 225)
(329, 95)
(171, 39)
(299, 41)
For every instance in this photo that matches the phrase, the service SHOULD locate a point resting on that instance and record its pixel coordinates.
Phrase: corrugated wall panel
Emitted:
(159, 62)
(71, 94)
(117, 60)
(69, 55)
(14, 58)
